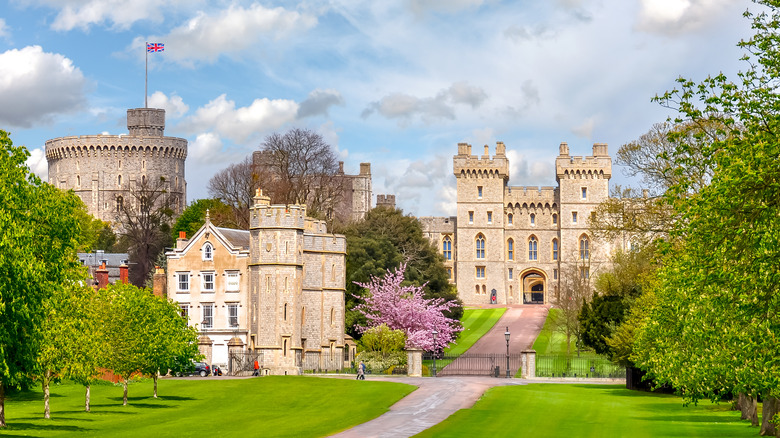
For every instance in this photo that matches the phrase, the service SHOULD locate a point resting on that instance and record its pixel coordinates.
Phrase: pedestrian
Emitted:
(257, 368)
(360, 371)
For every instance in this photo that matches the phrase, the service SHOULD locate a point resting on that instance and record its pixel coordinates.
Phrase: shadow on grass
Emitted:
(175, 398)
(14, 426)
(29, 396)
(711, 419)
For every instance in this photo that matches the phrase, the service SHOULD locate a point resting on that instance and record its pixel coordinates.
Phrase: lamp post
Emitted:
(506, 335)
(434, 333)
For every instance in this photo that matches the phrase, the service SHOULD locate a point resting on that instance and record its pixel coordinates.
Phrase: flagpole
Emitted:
(146, 75)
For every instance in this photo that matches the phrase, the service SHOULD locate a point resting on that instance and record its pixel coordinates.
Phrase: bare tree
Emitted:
(299, 167)
(235, 186)
(145, 220)
(574, 289)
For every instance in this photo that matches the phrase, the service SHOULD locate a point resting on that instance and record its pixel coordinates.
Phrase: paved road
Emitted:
(438, 398)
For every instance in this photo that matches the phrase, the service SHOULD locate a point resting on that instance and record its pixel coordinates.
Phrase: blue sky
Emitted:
(394, 83)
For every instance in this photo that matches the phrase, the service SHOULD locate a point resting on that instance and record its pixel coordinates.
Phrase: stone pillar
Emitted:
(235, 345)
(205, 347)
(414, 362)
(529, 364)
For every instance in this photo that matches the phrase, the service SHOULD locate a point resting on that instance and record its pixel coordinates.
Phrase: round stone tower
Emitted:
(103, 169)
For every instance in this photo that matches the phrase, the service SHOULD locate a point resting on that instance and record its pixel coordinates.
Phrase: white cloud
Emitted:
(39, 85)
(206, 147)
(243, 123)
(205, 37)
(417, 185)
(677, 16)
(523, 172)
(318, 102)
(120, 14)
(174, 106)
(429, 109)
(38, 164)
(4, 31)
(586, 128)
(446, 6)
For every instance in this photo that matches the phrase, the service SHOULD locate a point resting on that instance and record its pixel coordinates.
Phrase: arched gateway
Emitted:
(534, 287)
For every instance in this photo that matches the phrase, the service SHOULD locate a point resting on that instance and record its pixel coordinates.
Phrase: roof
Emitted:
(94, 259)
(237, 238)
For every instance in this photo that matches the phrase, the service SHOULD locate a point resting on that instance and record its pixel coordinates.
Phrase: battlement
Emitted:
(466, 165)
(111, 145)
(597, 166)
(385, 201)
(146, 122)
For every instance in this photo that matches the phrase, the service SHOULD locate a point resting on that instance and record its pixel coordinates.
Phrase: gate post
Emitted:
(414, 362)
(235, 347)
(529, 364)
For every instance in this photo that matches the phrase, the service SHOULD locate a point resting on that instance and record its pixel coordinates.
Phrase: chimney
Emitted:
(101, 276)
(365, 168)
(564, 149)
(181, 242)
(123, 272)
(487, 152)
(341, 168)
(159, 282)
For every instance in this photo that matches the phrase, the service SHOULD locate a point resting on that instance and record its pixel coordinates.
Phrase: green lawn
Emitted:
(550, 410)
(276, 406)
(476, 322)
(550, 341)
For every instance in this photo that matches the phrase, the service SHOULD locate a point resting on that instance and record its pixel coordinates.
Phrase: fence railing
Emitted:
(561, 365)
(473, 364)
(242, 363)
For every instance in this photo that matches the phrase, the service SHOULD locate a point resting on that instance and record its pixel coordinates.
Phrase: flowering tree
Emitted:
(405, 308)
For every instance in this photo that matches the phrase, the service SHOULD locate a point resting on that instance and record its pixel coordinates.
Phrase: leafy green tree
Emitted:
(379, 243)
(194, 216)
(714, 326)
(383, 340)
(37, 253)
(95, 234)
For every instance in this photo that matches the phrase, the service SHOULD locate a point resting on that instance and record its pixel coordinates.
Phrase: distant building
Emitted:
(275, 291)
(103, 169)
(510, 245)
(387, 201)
(115, 265)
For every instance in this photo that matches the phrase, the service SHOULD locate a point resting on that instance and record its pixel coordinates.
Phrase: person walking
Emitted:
(257, 368)
(361, 369)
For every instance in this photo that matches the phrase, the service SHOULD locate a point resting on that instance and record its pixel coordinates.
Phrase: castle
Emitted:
(104, 169)
(513, 245)
(275, 291)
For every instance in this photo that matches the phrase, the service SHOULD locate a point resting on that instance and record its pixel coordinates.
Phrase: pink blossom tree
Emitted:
(405, 308)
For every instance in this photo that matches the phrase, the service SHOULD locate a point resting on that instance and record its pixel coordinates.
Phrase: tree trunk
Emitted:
(154, 377)
(771, 408)
(45, 384)
(2, 404)
(86, 399)
(124, 400)
(747, 405)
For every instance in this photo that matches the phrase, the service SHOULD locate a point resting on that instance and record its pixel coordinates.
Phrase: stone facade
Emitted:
(102, 169)
(289, 289)
(511, 245)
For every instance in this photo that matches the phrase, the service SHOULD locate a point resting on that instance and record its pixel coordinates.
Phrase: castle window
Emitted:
(143, 165)
(471, 217)
(119, 180)
(208, 252)
(119, 204)
(555, 249)
(447, 245)
(584, 193)
(509, 218)
(332, 316)
(477, 289)
(532, 247)
(208, 281)
(479, 192)
(533, 219)
(484, 290)
(480, 246)
(78, 181)
(555, 219)
(120, 164)
(490, 217)
(480, 272)
(584, 248)
(510, 274)
(574, 217)
(183, 281)
(510, 249)
(555, 274)
(285, 311)
(449, 273)
(584, 273)
(208, 316)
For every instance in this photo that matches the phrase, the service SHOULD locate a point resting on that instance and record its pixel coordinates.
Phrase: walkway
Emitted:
(438, 398)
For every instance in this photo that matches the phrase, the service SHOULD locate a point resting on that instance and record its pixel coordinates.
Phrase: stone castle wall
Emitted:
(102, 169)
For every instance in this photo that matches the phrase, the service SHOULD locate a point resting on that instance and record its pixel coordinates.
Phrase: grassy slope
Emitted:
(550, 342)
(546, 410)
(476, 322)
(269, 406)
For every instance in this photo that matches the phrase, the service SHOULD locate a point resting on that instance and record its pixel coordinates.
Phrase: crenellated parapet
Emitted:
(115, 146)
(527, 196)
(597, 166)
(470, 166)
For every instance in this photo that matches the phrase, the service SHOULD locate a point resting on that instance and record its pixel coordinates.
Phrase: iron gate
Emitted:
(242, 363)
(473, 364)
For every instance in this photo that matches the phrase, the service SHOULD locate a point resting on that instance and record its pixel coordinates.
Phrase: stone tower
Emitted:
(297, 276)
(102, 169)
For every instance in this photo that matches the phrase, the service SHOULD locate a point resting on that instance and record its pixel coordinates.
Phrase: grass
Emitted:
(276, 406)
(476, 322)
(547, 410)
(550, 341)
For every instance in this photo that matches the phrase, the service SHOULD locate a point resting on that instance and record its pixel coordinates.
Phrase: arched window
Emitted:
(285, 311)
(119, 180)
(208, 252)
(555, 249)
(480, 246)
(119, 204)
(533, 219)
(510, 249)
(584, 248)
(447, 248)
(509, 219)
(555, 219)
(532, 247)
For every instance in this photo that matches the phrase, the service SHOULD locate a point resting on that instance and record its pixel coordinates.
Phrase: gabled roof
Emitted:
(237, 238)
(236, 241)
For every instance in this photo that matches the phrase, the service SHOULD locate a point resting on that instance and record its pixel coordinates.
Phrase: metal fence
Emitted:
(561, 365)
(242, 363)
(325, 362)
(472, 364)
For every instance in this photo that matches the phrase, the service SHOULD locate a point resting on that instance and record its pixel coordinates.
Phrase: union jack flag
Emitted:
(155, 47)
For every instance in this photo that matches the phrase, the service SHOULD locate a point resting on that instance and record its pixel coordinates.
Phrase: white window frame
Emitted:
(232, 315)
(182, 278)
(204, 282)
(208, 315)
(230, 284)
(208, 251)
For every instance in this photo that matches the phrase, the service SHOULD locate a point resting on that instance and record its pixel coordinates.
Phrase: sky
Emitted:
(395, 83)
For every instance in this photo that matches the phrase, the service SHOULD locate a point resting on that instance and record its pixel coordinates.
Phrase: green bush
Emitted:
(376, 362)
